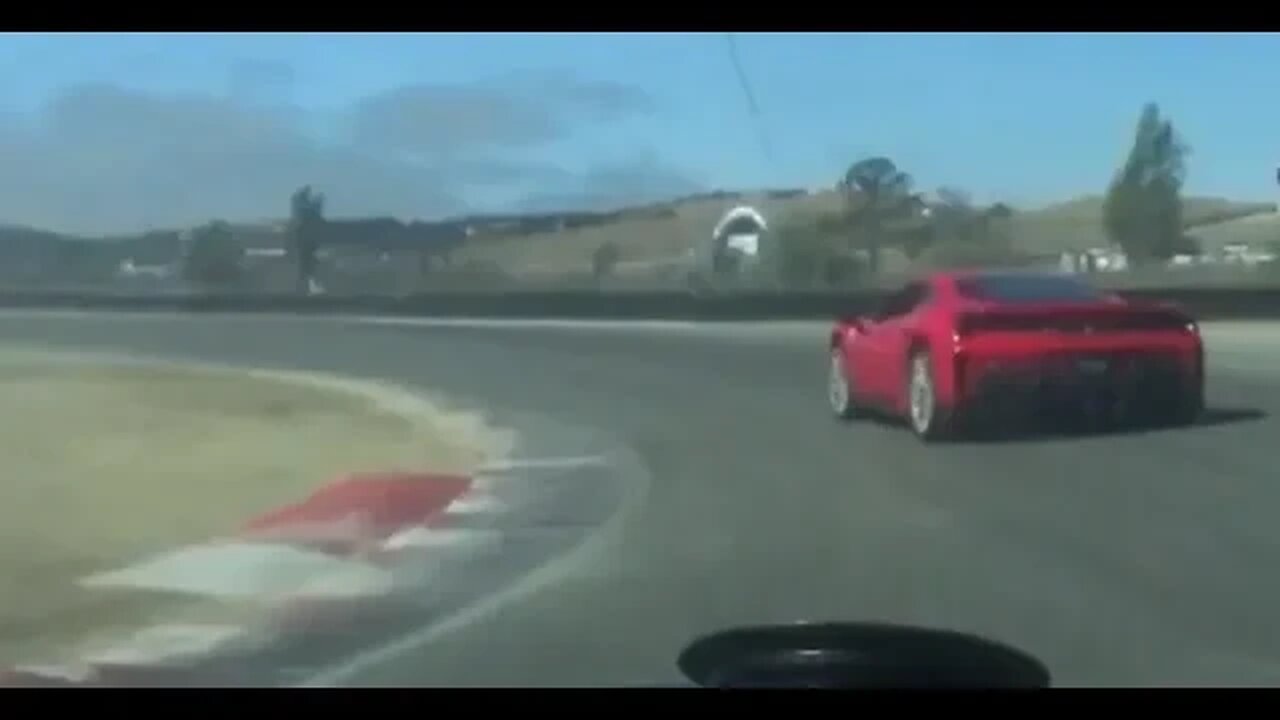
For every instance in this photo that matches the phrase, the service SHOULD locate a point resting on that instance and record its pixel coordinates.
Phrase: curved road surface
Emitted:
(1150, 558)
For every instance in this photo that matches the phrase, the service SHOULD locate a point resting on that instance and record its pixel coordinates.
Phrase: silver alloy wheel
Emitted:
(922, 397)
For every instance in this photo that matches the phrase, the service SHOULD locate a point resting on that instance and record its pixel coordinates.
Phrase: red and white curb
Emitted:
(312, 562)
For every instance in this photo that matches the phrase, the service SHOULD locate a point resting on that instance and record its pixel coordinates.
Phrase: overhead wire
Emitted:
(753, 107)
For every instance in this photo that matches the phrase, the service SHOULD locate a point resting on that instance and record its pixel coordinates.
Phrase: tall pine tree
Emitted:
(1142, 212)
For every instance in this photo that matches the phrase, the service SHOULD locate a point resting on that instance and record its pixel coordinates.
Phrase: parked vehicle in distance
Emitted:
(957, 350)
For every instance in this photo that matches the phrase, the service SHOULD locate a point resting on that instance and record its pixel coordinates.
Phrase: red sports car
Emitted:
(961, 349)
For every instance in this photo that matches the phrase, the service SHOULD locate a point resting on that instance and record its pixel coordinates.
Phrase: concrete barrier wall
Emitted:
(1205, 303)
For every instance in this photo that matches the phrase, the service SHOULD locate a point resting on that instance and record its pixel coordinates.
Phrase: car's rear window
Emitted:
(1026, 288)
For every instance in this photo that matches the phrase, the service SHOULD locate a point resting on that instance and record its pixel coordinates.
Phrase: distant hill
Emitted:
(649, 236)
(1072, 225)
(1077, 224)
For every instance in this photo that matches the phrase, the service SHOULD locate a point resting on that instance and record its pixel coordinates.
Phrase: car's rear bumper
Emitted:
(1064, 382)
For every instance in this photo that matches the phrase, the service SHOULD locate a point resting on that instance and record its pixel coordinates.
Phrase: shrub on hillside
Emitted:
(810, 253)
(473, 276)
(214, 258)
(956, 255)
(961, 235)
(604, 260)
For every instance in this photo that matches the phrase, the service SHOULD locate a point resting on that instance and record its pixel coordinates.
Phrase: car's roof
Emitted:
(1020, 286)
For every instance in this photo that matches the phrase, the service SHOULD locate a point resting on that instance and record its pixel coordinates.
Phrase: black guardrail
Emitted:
(1204, 303)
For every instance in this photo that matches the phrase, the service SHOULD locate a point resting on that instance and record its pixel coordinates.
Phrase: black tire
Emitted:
(839, 389)
(1176, 406)
(1188, 408)
(934, 424)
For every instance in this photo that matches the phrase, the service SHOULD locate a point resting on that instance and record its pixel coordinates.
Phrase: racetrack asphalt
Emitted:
(1133, 559)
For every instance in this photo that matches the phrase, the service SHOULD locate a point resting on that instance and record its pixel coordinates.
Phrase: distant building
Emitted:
(1093, 260)
(1245, 254)
(129, 269)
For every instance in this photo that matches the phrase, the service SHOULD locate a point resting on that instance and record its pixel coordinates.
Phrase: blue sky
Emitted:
(125, 131)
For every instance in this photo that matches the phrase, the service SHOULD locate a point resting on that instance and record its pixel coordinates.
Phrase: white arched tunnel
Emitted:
(740, 230)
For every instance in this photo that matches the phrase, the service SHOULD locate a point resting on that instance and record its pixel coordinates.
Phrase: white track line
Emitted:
(71, 672)
(436, 539)
(163, 643)
(475, 504)
(517, 464)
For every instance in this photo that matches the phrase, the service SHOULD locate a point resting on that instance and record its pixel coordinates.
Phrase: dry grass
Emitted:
(640, 241)
(1259, 231)
(108, 464)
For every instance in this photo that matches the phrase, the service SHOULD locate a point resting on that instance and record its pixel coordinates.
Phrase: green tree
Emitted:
(876, 193)
(213, 258)
(1142, 212)
(306, 223)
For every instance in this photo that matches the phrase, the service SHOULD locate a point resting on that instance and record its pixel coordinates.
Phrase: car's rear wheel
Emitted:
(928, 420)
(1167, 406)
(1187, 408)
(839, 389)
